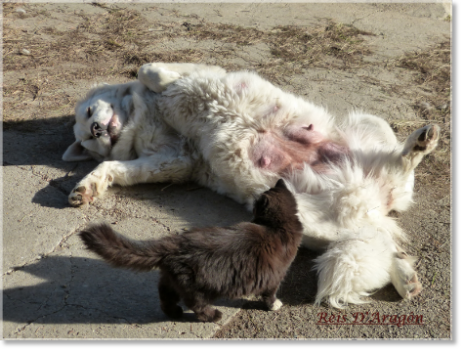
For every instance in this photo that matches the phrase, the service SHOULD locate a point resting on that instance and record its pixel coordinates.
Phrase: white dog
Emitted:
(237, 134)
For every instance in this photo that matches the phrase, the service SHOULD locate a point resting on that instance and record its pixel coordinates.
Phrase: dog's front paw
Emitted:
(81, 195)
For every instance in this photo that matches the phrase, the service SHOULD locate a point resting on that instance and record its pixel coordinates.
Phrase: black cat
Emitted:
(204, 264)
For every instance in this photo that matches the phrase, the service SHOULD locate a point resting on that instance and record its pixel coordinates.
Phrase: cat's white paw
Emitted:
(276, 305)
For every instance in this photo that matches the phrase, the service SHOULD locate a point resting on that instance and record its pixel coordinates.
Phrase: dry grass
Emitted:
(292, 48)
(118, 42)
(339, 41)
(432, 96)
(123, 37)
(432, 74)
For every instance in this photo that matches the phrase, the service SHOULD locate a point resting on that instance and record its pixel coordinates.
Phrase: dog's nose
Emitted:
(95, 130)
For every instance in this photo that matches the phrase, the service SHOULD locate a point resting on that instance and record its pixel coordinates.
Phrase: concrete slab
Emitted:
(53, 288)
(74, 294)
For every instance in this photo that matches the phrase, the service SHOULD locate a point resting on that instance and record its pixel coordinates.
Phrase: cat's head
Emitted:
(276, 204)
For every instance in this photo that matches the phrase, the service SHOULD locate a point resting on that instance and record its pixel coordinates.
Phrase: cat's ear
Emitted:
(281, 184)
(263, 202)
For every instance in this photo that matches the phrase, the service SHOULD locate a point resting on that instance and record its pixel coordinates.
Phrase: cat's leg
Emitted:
(154, 169)
(169, 298)
(158, 75)
(271, 300)
(200, 306)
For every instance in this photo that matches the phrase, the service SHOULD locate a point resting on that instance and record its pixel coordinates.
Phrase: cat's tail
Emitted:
(120, 251)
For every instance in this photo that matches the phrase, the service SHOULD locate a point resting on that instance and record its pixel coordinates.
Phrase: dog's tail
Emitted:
(123, 252)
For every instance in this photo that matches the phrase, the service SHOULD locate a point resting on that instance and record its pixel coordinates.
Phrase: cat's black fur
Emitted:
(203, 264)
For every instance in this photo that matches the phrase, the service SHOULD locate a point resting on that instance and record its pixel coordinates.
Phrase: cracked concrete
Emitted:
(54, 289)
(51, 280)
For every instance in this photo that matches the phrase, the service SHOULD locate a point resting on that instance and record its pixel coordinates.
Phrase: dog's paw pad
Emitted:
(276, 305)
(80, 196)
(413, 287)
(427, 139)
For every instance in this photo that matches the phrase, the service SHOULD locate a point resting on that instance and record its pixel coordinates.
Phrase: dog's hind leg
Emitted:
(354, 267)
(402, 164)
(366, 131)
(154, 169)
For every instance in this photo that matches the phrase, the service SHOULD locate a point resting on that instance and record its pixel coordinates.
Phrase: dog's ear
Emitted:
(76, 152)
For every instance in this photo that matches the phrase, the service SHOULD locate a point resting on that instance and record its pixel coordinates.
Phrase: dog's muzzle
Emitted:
(96, 130)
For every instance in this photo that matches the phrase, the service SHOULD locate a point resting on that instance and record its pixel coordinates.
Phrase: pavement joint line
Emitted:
(52, 182)
(36, 319)
(65, 304)
(98, 310)
(13, 299)
(44, 177)
(42, 255)
(45, 303)
(128, 215)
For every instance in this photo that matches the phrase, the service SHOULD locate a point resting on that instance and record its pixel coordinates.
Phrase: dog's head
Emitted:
(99, 121)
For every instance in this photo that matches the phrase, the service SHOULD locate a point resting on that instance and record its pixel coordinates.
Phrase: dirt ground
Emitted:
(392, 60)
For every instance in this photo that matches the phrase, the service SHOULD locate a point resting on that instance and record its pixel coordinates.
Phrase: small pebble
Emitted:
(425, 105)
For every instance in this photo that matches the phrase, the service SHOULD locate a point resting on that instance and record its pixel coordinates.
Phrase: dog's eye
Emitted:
(89, 112)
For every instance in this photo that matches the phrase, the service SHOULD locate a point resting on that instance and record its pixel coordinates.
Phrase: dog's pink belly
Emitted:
(281, 152)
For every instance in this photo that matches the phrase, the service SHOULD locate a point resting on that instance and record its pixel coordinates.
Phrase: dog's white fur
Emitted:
(184, 122)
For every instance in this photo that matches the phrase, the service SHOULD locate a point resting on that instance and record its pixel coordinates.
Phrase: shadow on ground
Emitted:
(85, 290)
(39, 148)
